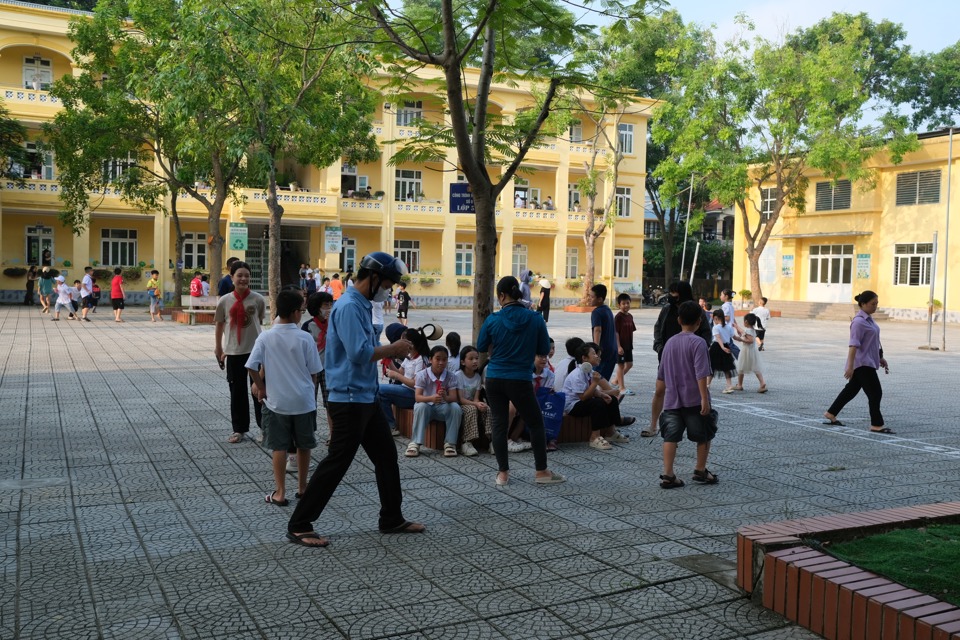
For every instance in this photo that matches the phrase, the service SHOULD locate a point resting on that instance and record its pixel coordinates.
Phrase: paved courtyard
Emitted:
(125, 514)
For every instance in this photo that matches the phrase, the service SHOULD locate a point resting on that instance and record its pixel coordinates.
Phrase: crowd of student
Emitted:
(79, 300)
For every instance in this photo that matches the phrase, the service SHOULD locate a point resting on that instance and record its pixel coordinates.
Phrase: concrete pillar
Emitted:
(81, 253)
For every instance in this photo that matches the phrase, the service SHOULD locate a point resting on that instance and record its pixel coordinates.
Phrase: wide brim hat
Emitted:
(545, 284)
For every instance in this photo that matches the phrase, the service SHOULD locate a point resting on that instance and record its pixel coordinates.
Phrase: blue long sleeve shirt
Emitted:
(350, 370)
(516, 335)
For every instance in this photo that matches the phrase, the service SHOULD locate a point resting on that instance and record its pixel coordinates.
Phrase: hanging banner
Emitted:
(461, 198)
(237, 236)
(863, 266)
(333, 239)
(786, 267)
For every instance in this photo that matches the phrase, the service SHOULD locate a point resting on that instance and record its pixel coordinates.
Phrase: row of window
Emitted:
(913, 188)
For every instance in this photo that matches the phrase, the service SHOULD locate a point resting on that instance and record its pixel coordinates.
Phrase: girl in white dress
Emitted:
(749, 359)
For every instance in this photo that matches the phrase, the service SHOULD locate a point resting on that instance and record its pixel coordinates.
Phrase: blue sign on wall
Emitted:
(461, 199)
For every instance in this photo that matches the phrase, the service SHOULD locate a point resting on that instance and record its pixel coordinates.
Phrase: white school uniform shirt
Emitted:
(377, 312)
(430, 384)
(575, 384)
(547, 378)
(412, 367)
(86, 286)
(560, 372)
(205, 286)
(289, 358)
(723, 334)
(763, 313)
(64, 294)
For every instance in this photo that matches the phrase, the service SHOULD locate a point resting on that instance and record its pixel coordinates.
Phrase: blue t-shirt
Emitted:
(516, 335)
(225, 285)
(350, 371)
(602, 317)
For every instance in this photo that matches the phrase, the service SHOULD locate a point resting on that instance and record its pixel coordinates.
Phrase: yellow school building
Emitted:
(849, 240)
(328, 221)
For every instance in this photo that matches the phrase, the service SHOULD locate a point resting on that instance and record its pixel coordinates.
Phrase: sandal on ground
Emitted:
(553, 446)
(502, 482)
(601, 444)
(405, 527)
(449, 450)
(729, 390)
(413, 450)
(235, 437)
(302, 538)
(553, 478)
(883, 430)
(737, 388)
(833, 423)
(670, 482)
(705, 477)
(647, 433)
(269, 499)
(762, 389)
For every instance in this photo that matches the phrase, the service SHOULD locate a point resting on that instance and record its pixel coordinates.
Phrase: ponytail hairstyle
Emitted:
(419, 342)
(865, 297)
(718, 313)
(509, 287)
(753, 320)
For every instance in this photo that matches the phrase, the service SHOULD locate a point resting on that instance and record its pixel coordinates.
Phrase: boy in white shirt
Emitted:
(64, 299)
(290, 364)
(563, 367)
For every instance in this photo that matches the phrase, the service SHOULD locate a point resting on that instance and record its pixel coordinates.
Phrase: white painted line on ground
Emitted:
(817, 424)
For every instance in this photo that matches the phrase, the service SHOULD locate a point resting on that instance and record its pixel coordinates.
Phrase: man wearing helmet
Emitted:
(356, 421)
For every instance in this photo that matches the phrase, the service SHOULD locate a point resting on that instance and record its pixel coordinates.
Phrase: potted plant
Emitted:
(420, 196)
(464, 282)
(379, 194)
(574, 284)
(745, 294)
(427, 281)
(15, 272)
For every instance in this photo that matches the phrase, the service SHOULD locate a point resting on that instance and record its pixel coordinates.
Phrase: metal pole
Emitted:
(693, 269)
(946, 241)
(686, 229)
(933, 278)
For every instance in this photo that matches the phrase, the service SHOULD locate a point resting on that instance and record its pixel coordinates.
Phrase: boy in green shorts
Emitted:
(290, 364)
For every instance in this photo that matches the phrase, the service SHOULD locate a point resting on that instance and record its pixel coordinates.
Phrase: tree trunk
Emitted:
(215, 240)
(667, 238)
(178, 259)
(589, 245)
(273, 253)
(486, 255)
(753, 258)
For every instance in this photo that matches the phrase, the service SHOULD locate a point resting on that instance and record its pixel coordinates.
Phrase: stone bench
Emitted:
(573, 430)
(196, 310)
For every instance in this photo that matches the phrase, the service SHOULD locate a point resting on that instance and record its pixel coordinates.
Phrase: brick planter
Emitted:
(187, 317)
(834, 598)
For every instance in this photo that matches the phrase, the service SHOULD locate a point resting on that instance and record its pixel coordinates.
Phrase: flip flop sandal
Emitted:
(301, 539)
(648, 434)
(670, 482)
(269, 499)
(449, 450)
(833, 423)
(404, 528)
(884, 430)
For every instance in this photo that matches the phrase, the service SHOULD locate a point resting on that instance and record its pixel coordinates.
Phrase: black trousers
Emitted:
(500, 393)
(865, 378)
(602, 415)
(238, 379)
(353, 425)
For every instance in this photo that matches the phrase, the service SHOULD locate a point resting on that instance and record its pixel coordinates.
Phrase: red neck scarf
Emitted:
(322, 335)
(238, 314)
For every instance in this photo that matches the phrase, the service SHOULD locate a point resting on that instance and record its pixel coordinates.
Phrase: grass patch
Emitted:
(925, 559)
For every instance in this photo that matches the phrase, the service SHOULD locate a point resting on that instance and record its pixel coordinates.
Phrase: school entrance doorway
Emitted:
(831, 273)
(294, 251)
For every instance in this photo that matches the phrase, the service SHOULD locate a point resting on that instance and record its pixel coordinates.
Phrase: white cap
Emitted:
(60, 279)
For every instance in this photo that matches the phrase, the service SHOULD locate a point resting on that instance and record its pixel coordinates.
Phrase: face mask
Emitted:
(382, 295)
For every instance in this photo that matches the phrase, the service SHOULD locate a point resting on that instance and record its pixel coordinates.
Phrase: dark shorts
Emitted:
(284, 432)
(761, 333)
(402, 314)
(626, 357)
(88, 302)
(117, 303)
(674, 422)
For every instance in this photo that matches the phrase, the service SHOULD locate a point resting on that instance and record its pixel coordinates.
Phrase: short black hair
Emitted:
(689, 313)
(585, 350)
(117, 271)
(231, 260)
(624, 297)
(317, 300)
(85, 269)
(288, 303)
(239, 264)
(439, 349)
(573, 346)
(155, 272)
(600, 291)
(197, 272)
(205, 278)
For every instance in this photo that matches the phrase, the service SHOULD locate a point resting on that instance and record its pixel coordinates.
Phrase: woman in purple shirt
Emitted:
(864, 357)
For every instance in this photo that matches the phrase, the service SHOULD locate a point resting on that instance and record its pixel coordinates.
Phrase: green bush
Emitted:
(574, 284)
(15, 272)
(131, 273)
(464, 282)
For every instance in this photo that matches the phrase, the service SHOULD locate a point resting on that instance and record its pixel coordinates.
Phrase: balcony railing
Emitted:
(30, 184)
(30, 96)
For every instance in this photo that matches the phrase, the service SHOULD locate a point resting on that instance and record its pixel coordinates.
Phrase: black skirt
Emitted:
(721, 361)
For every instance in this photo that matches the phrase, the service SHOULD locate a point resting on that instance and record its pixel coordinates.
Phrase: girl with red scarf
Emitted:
(238, 319)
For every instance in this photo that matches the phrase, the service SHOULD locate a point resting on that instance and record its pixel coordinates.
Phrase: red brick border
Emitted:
(834, 598)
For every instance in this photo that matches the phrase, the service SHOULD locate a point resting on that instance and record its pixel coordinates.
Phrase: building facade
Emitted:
(849, 240)
(332, 215)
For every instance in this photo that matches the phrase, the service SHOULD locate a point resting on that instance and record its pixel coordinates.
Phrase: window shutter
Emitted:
(929, 189)
(906, 189)
(841, 195)
(824, 196)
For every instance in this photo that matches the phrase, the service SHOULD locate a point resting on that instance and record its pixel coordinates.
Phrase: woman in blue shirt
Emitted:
(864, 357)
(513, 336)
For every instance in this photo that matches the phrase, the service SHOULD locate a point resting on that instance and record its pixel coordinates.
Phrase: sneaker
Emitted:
(601, 444)
(291, 463)
(628, 392)
(618, 437)
(514, 447)
(468, 449)
(525, 445)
